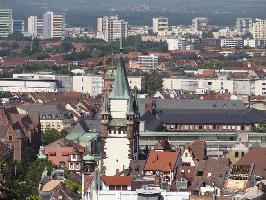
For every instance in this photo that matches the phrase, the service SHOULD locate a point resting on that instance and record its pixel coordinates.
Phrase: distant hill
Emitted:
(84, 12)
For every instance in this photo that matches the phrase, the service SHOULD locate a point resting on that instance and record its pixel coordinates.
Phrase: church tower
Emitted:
(119, 125)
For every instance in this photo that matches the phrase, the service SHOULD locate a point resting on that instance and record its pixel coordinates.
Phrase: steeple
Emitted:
(121, 87)
(106, 107)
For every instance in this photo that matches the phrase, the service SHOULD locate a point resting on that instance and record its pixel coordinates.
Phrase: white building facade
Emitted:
(244, 25)
(160, 25)
(53, 25)
(6, 23)
(24, 85)
(259, 29)
(149, 62)
(235, 86)
(92, 85)
(111, 28)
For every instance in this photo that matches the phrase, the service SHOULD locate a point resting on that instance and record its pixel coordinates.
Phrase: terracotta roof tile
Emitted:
(255, 156)
(161, 161)
(117, 180)
(199, 149)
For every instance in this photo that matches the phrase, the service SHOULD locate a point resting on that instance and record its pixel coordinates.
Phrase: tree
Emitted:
(67, 46)
(49, 136)
(153, 82)
(261, 127)
(33, 197)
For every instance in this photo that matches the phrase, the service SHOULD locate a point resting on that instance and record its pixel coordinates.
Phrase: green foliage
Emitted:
(153, 82)
(22, 178)
(82, 55)
(67, 46)
(16, 36)
(51, 135)
(261, 127)
(42, 56)
(73, 185)
(34, 197)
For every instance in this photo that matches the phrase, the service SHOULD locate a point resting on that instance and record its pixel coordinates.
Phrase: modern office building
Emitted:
(91, 85)
(160, 24)
(149, 62)
(232, 86)
(232, 42)
(244, 25)
(6, 23)
(65, 81)
(177, 44)
(200, 24)
(111, 28)
(24, 85)
(53, 25)
(18, 26)
(259, 29)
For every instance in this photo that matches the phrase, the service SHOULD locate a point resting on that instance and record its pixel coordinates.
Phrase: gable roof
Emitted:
(161, 161)
(257, 157)
(117, 180)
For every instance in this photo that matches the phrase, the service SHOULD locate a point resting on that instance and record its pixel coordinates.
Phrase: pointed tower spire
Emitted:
(106, 107)
(121, 86)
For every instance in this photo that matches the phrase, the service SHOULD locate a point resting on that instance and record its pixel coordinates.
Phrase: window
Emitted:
(124, 187)
(242, 154)
(71, 166)
(209, 83)
(111, 187)
(236, 154)
(199, 173)
(74, 156)
(10, 138)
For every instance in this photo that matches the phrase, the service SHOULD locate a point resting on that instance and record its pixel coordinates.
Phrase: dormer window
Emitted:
(10, 138)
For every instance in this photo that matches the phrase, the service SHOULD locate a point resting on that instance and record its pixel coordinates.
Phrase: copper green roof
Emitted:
(88, 157)
(120, 88)
(118, 122)
(106, 106)
(86, 137)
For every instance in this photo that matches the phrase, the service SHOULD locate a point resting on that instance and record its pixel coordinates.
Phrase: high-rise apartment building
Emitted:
(6, 23)
(18, 26)
(244, 25)
(259, 29)
(32, 26)
(35, 27)
(40, 28)
(160, 24)
(111, 28)
(53, 25)
(200, 24)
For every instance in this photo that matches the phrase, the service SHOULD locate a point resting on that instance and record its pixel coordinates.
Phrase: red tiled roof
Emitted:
(161, 161)
(117, 180)
(255, 156)
(199, 149)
